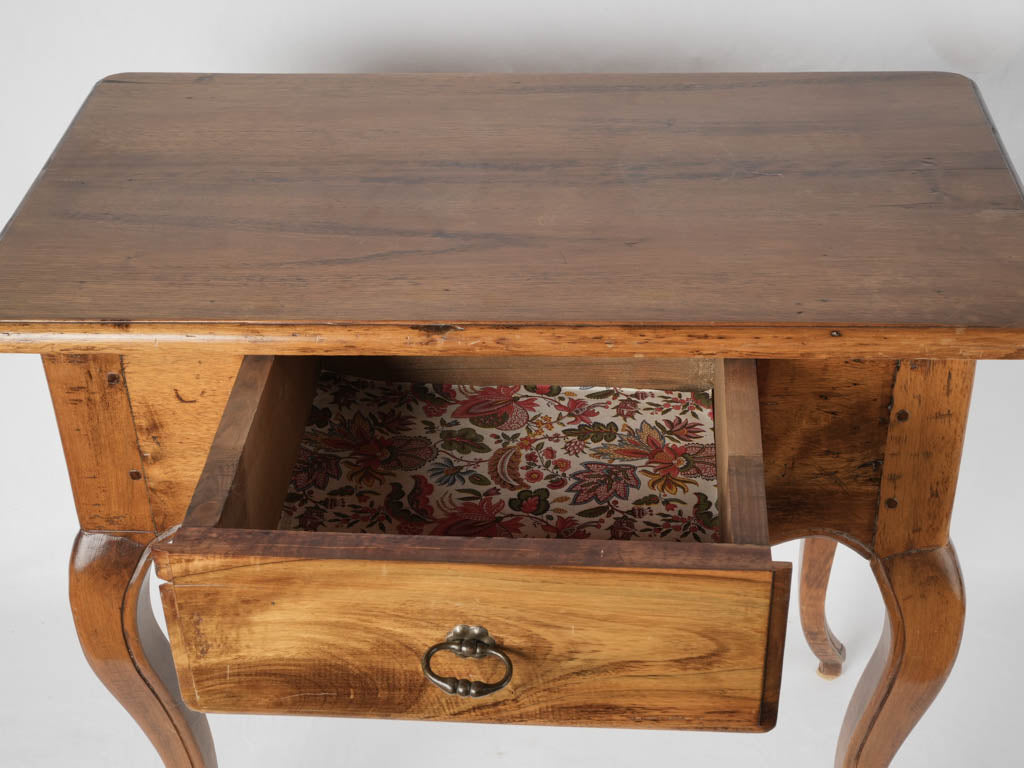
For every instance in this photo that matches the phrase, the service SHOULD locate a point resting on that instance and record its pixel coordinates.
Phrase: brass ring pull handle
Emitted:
(469, 643)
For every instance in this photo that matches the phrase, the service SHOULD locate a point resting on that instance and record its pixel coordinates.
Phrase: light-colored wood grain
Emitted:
(924, 600)
(841, 341)
(124, 646)
(686, 374)
(622, 647)
(930, 401)
(741, 493)
(177, 401)
(96, 429)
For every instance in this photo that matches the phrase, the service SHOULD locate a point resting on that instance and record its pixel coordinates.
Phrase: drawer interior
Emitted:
(664, 450)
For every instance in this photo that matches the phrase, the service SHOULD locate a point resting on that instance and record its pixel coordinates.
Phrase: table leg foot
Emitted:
(125, 648)
(816, 554)
(924, 599)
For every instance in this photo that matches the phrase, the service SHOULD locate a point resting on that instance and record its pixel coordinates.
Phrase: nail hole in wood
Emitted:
(902, 415)
(891, 503)
(134, 474)
(113, 378)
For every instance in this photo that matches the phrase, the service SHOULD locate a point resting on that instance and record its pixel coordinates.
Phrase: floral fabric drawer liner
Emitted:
(505, 460)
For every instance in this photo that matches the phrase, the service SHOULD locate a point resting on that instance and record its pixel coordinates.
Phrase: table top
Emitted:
(747, 214)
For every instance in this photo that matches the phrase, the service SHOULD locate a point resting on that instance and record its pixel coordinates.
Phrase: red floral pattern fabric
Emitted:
(505, 460)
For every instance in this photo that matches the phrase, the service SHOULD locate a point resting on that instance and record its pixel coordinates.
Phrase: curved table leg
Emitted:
(924, 599)
(125, 647)
(816, 554)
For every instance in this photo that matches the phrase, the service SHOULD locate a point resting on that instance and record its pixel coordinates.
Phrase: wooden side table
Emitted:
(859, 235)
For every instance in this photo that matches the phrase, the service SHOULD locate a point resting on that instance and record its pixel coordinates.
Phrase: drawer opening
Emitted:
(663, 450)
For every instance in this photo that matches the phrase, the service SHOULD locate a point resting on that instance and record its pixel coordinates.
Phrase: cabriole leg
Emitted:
(125, 648)
(924, 601)
(816, 555)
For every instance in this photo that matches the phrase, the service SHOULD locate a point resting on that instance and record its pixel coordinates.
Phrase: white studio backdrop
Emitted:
(54, 712)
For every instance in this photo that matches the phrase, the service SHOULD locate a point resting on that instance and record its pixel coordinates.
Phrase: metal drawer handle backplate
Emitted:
(469, 643)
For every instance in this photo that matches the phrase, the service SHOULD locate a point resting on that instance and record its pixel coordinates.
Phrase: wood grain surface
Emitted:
(778, 620)
(824, 425)
(930, 402)
(600, 647)
(837, 341)
(196, 550)
(250, 461)
(94, 418)
(309, 209)
(177, 400)
(680, 373)
(741, 494)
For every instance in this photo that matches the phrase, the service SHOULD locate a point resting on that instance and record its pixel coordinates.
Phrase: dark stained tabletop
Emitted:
(797, 200)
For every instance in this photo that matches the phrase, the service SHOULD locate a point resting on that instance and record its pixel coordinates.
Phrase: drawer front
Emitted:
(627, 647)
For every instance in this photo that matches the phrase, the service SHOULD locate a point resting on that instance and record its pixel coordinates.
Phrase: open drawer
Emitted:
(611, 591)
